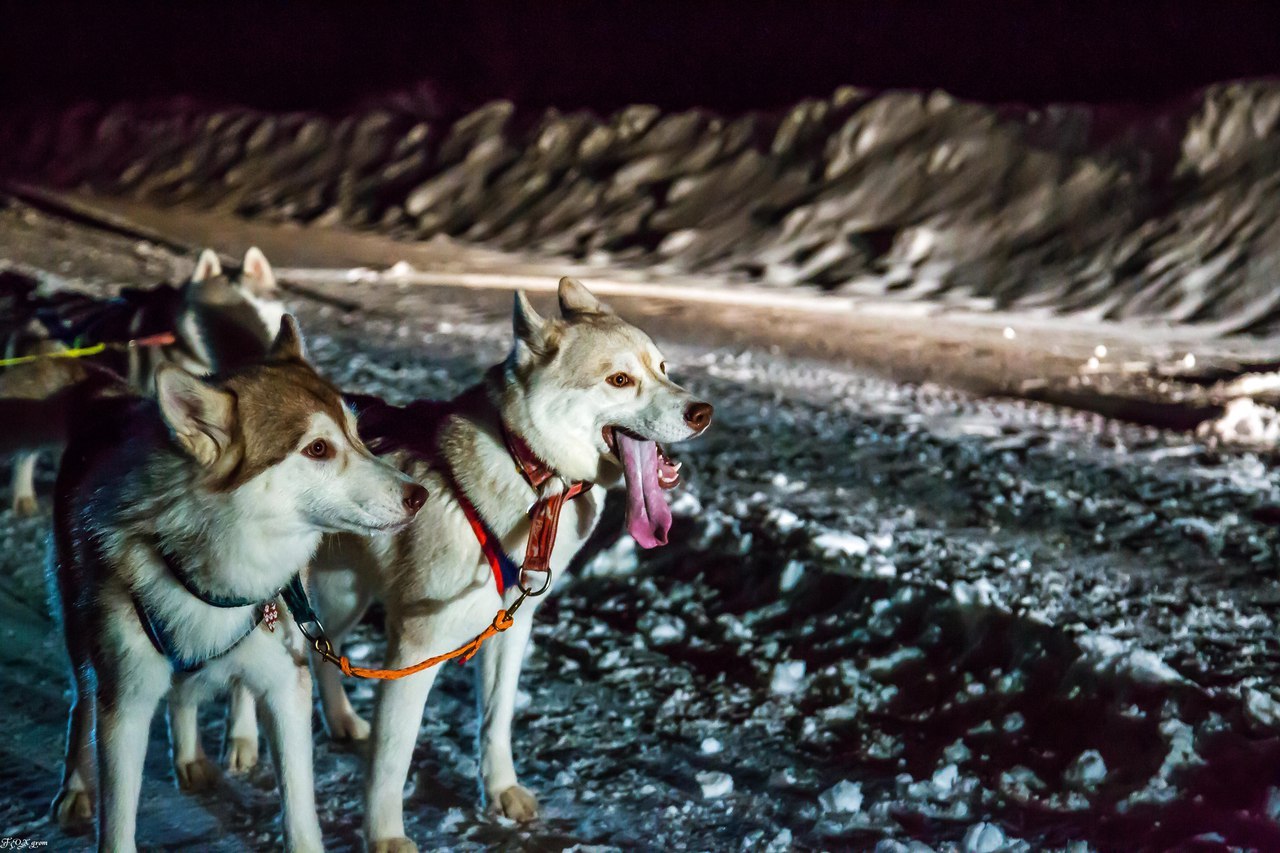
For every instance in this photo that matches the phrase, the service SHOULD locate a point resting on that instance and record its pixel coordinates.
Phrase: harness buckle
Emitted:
(525, 591)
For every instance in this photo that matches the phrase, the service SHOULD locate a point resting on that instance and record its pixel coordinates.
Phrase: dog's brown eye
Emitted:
(318, 449)
(663, 368)
(619, 380)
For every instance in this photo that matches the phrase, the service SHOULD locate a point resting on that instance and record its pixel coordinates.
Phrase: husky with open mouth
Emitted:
(580, 401)
(180, 523)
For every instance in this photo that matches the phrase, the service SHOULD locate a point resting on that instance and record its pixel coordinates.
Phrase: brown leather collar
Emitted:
(544, 515)
(532, 468)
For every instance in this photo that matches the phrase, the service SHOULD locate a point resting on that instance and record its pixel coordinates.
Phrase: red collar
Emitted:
(531, 466)
(535, 471)
(544, 515)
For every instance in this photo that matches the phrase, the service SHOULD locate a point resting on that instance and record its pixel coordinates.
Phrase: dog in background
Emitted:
(218, 320)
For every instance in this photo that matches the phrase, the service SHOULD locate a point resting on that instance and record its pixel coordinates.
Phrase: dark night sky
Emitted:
(727, 55)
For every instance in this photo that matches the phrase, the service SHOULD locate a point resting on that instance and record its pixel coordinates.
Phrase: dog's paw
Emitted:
(25, 505)
(242, 755)
(348, 727)
(198, 774)
(73, 810)
(393, 845)
(516, 803)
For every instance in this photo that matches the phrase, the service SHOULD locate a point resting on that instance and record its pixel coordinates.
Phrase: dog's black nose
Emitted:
(414, 497)
(698, 415)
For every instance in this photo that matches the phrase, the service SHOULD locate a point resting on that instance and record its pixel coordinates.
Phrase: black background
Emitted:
(729, 56)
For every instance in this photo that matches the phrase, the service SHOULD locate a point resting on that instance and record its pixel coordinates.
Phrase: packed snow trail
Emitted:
(888, 612)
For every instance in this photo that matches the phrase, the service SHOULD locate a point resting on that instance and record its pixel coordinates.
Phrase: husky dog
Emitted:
(588, 395)
(177, 522)
(219, 322)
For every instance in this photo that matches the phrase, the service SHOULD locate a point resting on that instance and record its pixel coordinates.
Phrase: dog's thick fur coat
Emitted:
(237, 478)
(565, 386)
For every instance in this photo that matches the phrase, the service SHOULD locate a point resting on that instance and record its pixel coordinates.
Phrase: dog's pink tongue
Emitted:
(648, 516)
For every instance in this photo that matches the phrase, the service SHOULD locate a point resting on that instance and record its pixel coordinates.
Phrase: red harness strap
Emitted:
(544, 518)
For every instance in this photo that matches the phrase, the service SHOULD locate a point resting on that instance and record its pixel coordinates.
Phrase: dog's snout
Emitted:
(698, 415)
(415, 497)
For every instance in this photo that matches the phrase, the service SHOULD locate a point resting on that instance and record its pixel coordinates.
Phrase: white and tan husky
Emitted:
(588, 396)
(178, 521)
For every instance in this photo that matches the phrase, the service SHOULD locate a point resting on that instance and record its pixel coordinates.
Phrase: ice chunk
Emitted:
(1273, 804)
(791, 574)
(945, 779)
(842, 798)
(957, 752)
(711, 746)
(788, 677)
(983, 838)
(715, 784)
(667, 630)
(780, 843)
(1087, 772)
(841, 543)
(1261, 708)
(784, 520)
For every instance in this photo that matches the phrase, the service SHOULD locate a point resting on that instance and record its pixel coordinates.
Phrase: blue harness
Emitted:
(293, 593)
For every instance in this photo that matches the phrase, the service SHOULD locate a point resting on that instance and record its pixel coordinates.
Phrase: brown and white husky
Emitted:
(178, 521)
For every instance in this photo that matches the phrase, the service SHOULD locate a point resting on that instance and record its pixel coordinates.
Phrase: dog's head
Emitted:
(594, 395)
(278, 439)
(231, 317)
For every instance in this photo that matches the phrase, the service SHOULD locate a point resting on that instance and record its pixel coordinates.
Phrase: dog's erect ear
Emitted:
(257, 274)
(201, 416)
(576, 300)
(288, 345)
(530, 328)
(207, 267)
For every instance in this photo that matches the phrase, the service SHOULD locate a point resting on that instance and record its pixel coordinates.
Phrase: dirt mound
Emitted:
(1169, 215)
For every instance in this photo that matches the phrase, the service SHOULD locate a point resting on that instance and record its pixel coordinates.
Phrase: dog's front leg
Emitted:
(284, 683)
(123, 725)
(501, 661)
(241, 752)
(193, 769)
(24, 483)
(396, 721)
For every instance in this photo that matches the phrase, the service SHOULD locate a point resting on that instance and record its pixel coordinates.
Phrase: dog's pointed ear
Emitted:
(207, 267)
(257, 273)
(576, 300)
(202, 417)
(530, 327)
(288, 345)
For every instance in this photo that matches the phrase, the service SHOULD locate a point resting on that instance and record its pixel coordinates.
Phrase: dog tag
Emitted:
(270, 615)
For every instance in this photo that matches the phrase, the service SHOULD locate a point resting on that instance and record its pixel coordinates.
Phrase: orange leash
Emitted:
(463, 653)
(544, 521)
(501, 622)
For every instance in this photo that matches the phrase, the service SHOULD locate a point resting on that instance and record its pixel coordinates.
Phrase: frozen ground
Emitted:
(890, 614)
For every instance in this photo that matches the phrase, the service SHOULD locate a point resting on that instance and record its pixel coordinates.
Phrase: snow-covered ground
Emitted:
(890, 615)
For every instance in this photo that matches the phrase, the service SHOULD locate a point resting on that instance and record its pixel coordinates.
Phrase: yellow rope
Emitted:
(77, 352)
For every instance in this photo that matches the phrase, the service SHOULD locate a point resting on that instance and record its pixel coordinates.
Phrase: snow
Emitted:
(792, 572)
(1073, 559)
(841, 543)
(715, 784)
(844, 797)
(1087, 772)
(984, 838)
(788, 678)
